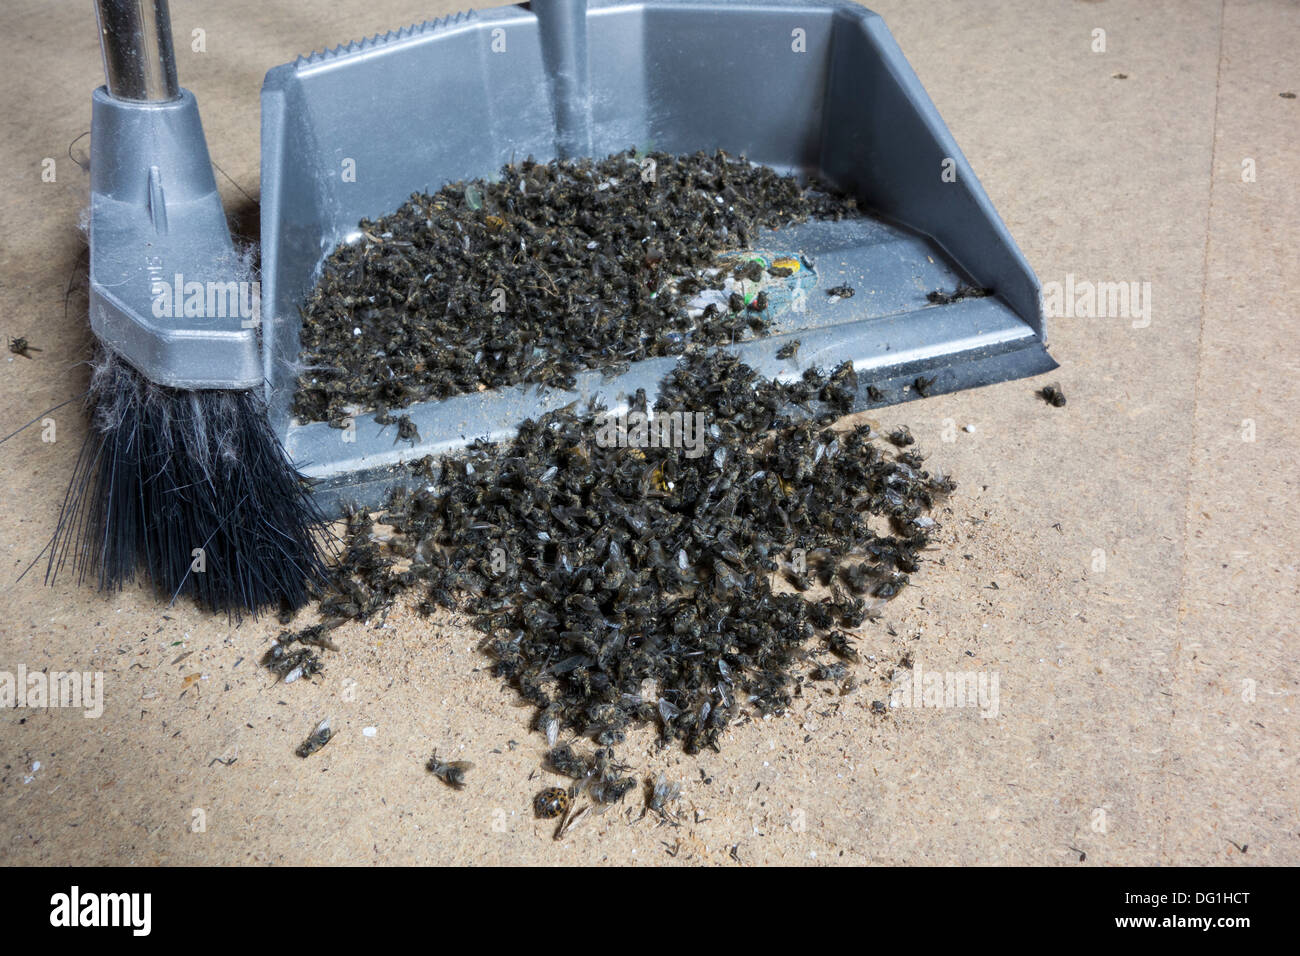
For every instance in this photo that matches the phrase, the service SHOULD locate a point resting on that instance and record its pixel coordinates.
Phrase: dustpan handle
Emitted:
(135, 37)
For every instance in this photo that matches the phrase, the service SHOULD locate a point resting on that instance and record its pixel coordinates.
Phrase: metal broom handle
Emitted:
(135, 37)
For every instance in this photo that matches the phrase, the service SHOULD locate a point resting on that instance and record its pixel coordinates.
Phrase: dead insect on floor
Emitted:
(564, 761)
(902, 437)
(551, 802)
(1052, 394)
(317, 739)
(661, 794)
(19, 346)
(639, 586)
(288, 662)
(452, 773)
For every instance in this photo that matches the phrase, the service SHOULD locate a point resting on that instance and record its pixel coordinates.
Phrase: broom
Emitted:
(181, 474)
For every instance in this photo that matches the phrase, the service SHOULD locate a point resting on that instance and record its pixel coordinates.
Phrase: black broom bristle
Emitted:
(194, 487)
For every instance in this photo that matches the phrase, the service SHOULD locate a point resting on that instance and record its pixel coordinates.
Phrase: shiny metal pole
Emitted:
(135, 37)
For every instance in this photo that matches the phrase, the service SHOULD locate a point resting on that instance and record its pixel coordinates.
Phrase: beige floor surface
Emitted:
(1147, 709)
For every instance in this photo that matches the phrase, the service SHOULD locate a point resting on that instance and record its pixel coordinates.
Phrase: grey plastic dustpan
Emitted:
(351, 133)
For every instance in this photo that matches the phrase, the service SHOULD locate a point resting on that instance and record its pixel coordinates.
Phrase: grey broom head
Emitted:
(194, 488)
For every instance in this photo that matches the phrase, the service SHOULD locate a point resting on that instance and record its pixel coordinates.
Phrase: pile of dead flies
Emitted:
(620, 586)
(548, 270)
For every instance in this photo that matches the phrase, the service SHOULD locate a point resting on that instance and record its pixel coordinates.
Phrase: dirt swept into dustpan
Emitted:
(548, 270)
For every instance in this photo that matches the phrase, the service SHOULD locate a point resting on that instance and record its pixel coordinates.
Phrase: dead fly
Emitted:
(800, 579)
(288, 662)
(833, 671)
(839, 644)
(841, 292)
(603, 781)
(923, 384)
(564, 761)
(289, 665)
(1052, 394)
(963, 291)
(406, 430)
(19, 346)
(902, 437)
(317, 739)
(789, 350)
(610, 790)
(661, 795)
(451, 773)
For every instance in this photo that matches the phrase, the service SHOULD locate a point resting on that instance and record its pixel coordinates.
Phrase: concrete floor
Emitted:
(1142, 539)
